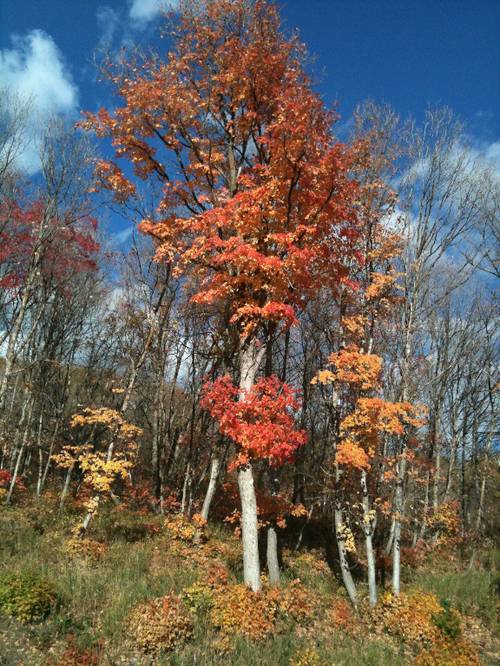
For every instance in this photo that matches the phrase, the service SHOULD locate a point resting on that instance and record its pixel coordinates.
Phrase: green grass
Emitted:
(471, 592)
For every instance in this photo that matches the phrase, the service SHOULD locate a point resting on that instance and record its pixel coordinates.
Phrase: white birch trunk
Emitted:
(250, 357)
(212, 484)
(368, 526)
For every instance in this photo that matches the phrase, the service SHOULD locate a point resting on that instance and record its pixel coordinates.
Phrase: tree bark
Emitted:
(344, 563)
(212, 484)
(273, 566)
(398, 510)
(368, 527)
(250, 357)
(20, 455)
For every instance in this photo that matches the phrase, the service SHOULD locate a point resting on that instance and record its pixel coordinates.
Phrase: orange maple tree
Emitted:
(257, 205)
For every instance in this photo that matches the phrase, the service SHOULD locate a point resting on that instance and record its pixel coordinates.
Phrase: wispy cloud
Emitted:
(492, 154)
(121, 237)
(108, 21)
(143, 11)
(35, 69)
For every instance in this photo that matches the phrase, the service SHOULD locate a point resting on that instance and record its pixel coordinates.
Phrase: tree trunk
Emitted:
(212, 484)
(390, 540)
(20, 455)
(49, 458)
(250, 357)
(368, 527)
(185, 488)
(423, 524)
(372, 574)
(249, 528)
(40, 455)
(65, 489)
(273, 566)
(344, 563)
(398, 511)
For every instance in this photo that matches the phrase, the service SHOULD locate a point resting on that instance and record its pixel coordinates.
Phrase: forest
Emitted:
(265, 429)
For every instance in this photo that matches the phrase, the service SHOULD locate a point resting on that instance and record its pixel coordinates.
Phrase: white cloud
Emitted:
(121, 237)
(144, 11)
(492, 154)
(107, 22)
(34, 69)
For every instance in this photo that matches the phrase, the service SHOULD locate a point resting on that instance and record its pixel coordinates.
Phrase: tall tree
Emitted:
(257, 204)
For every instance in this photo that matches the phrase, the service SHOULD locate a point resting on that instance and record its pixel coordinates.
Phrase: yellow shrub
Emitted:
(297, 603)
(309, 657)
(85, 549)
(160, 624)
(237, 611)
(410, 617)
(311, 561)
(26, 597)
(198, 596)
(446, 653)
(183, 529)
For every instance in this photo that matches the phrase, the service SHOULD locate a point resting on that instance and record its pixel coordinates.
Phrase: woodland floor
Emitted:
(130, 557)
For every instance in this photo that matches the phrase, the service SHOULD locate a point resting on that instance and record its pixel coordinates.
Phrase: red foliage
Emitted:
(65, 247)
(271, 509)
(259, 422)
(6, 480)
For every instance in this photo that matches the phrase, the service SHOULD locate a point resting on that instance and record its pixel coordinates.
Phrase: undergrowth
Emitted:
(139, 588)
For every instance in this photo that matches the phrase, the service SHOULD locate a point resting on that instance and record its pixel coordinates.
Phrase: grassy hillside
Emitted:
(144, 589)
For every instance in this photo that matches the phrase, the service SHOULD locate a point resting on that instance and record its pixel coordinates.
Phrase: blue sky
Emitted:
(409, 53)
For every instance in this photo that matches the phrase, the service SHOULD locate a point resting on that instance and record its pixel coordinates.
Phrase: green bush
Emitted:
(448, 621)
(26, 597)
(198, 597)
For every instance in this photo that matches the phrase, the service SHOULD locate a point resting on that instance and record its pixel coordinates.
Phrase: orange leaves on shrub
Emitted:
(446, 653)
(410, 617)
(160, 624)
(342, 616)
(237, 611)
(73, 655)
(181, 528)
(259, 422)
(297, 602)
(86, 549)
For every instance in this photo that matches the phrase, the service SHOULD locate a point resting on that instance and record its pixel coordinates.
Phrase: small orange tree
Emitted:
(361, 451)
(257, 204)
(365, 420)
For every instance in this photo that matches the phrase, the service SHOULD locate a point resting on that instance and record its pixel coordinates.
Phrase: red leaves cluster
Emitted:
(259, 422)
(64, 247)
